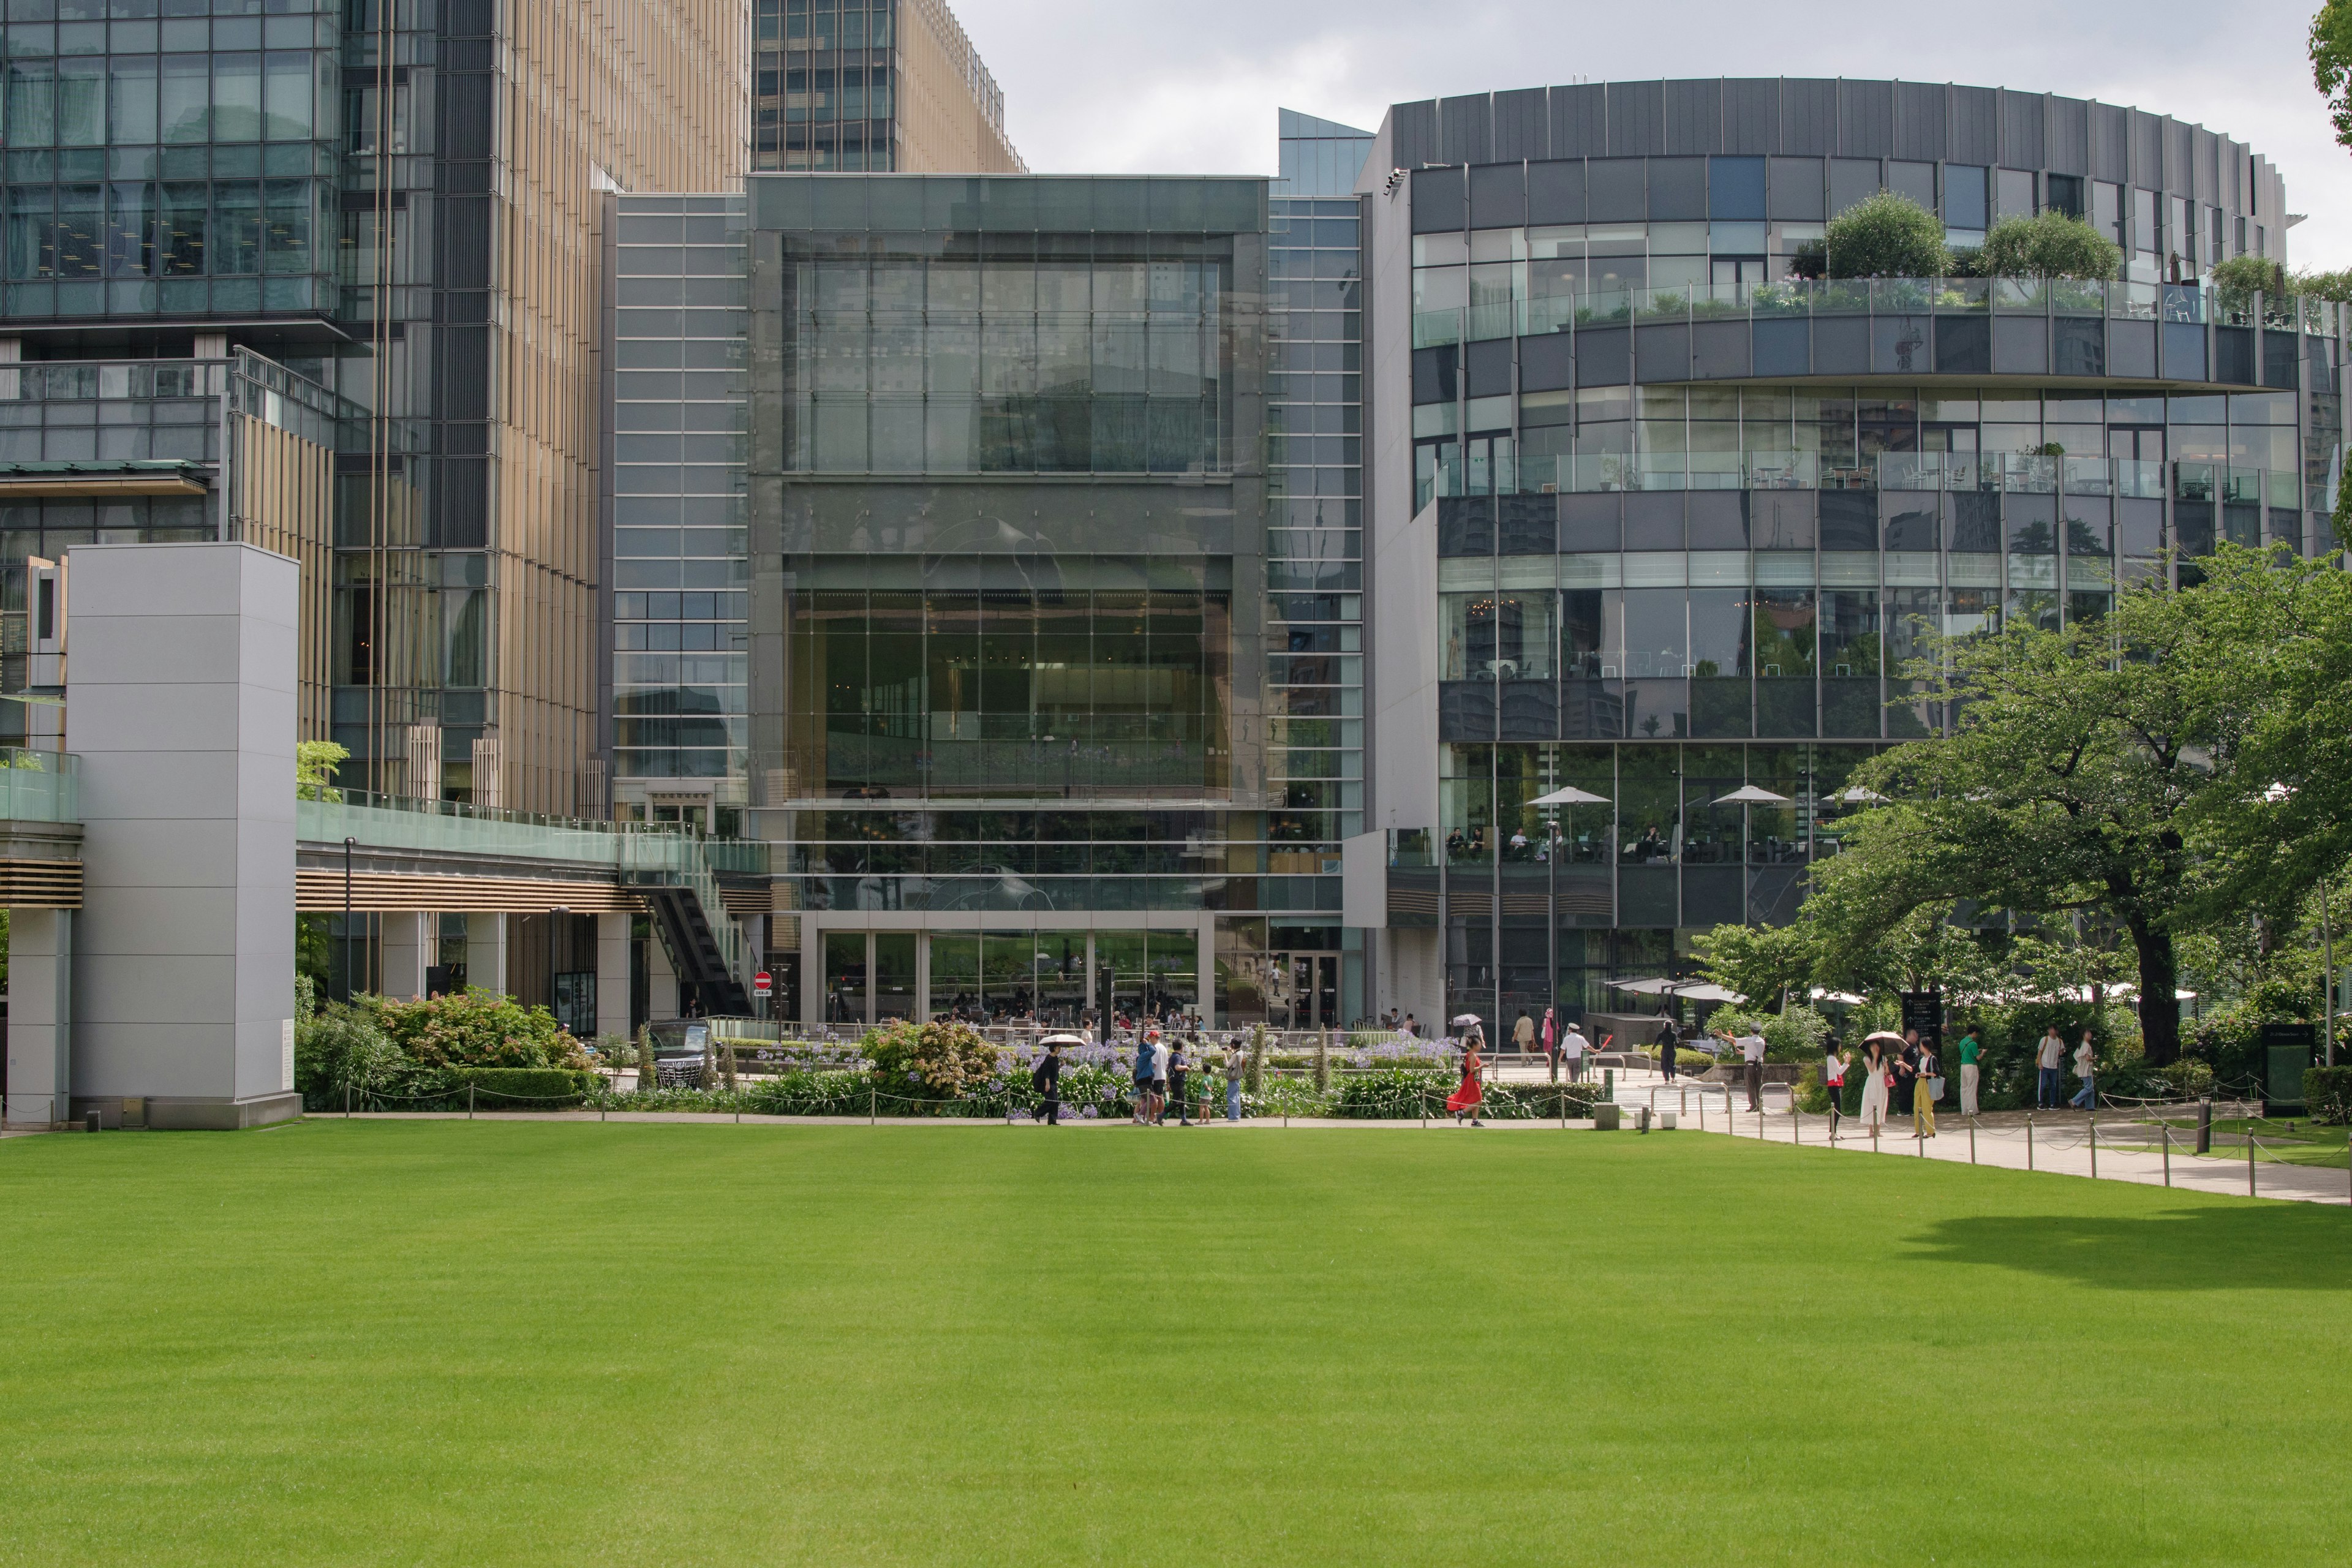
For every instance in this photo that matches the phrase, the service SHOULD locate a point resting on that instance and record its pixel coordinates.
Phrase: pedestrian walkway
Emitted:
(2115, 1148)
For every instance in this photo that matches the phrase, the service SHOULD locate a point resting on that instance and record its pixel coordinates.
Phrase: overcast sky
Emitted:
(1192, 87)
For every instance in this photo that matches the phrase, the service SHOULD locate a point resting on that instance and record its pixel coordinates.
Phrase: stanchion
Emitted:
(2164, 1129)
(2094, 1145)
(873, 1110)
(1834, 1121)
(2250, 1160)
(2028, 1140)
(1873, 1137)
(347, 1102)
(469, 1103)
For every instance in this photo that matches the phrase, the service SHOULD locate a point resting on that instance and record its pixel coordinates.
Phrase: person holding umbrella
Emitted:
(1047, 1080)
(1470, 1094)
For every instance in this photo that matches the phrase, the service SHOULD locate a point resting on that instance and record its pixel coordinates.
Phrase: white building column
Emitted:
(41, 1016)
(409, 941)
(486, 950)
(661, 982)
(181, 677)
(613, 974)
(1207, 963)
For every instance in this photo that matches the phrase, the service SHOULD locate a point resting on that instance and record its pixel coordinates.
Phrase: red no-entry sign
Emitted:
(761, 985)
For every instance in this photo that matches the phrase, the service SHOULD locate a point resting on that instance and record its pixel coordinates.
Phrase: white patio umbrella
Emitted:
(1752, 794)
(1707, 991)
(1651, 987)
(1569, 795)
(1822, 994)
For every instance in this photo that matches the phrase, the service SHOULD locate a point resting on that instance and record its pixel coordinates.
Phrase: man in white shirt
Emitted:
(1751, 1057)
(2050, 1058)
(1573, 1048)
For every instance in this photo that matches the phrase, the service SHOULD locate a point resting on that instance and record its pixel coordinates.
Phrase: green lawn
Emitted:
(459, 1343)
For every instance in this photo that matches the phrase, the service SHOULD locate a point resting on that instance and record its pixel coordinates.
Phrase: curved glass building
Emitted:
(1654, 526)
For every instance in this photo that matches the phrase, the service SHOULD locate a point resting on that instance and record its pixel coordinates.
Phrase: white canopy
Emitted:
(1752, 794)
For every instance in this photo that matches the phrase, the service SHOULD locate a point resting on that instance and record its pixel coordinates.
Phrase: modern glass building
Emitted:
(1002, 678)
(1652, 525)
(397, 207)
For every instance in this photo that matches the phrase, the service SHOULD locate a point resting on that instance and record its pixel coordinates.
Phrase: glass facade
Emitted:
(1692, 517)
(872, 86)
(679, 576)
(170, 167)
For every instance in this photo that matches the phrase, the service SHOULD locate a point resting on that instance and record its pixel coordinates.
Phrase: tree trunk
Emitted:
(2159, 1010)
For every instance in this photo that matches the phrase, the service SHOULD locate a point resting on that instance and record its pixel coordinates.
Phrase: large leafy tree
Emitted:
(2064, 792)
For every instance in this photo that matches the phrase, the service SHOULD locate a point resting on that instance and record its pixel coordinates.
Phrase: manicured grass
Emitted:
(488, 1342)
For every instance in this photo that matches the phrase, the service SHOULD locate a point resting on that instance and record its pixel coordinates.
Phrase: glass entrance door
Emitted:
(1308, 994)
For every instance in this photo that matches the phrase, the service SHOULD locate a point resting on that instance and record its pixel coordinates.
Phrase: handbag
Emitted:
(1935, 1089)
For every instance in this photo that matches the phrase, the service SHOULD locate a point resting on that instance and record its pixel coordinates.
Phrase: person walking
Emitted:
(1470, 1094)
(1523, 1035)
(1158, 1116)
(1551, 1044)
(2050, 1056)
(1969, 1073)
(1924, 1087)
(1179, 1076)
(2086, 1068)
(1236, 1062)
(1668, 1043)
(1143, 1082)
(1873, 1112)
(1573, 1051)
(1046, 1079)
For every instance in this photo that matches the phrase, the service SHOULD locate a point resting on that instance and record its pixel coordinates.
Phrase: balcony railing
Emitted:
(2185, 304)
(2013, 472)
(40, 786)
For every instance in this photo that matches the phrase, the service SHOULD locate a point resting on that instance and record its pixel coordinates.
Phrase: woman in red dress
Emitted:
(1466, 1099)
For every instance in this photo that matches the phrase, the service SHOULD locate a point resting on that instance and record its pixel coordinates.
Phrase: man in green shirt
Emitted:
(1968, 1053)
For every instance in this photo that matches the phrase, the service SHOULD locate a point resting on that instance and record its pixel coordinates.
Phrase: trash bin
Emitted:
(1605, 1116)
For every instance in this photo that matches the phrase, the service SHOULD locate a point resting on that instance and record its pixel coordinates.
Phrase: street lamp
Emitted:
(348, 842)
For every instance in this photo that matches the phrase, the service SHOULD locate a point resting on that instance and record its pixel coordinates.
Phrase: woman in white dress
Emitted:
(1873, 1087)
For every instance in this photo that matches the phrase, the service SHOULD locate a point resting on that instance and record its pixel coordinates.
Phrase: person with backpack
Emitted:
(1046, 1079)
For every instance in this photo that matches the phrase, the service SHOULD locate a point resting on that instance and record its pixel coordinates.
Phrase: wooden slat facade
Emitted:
(40, 884)
(375, 892)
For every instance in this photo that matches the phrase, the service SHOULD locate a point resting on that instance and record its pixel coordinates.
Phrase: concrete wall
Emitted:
(181, 702)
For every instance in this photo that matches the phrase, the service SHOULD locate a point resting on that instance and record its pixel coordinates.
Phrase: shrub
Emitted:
(1392, 1094)
(1884, 235)
(1794, 1035)
(340, 1052)
(477, 1029)
(516, 1088)
(2048, 244)
(804, 1093)
(2328, 1092)
(930, 1061)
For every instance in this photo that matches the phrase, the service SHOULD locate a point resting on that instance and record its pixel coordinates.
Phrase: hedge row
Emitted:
(2328, 1092)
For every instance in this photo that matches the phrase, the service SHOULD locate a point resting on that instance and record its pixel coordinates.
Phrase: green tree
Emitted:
(2048, 244)
(2330, 44)
(1884, 235)
(315, 763)
(2064, 790)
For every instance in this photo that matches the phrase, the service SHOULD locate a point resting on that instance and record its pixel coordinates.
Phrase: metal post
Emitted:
(2250, 1160)
(347, 917)
(2094, 1145)
(469, 1103)
(1873, 1137)
(2028, 1140)
(2165, 1129)
(2205, 1126)
(1973, 1140)
(871, 1111)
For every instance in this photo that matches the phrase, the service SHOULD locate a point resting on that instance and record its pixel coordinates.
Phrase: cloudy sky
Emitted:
(1192, 87)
